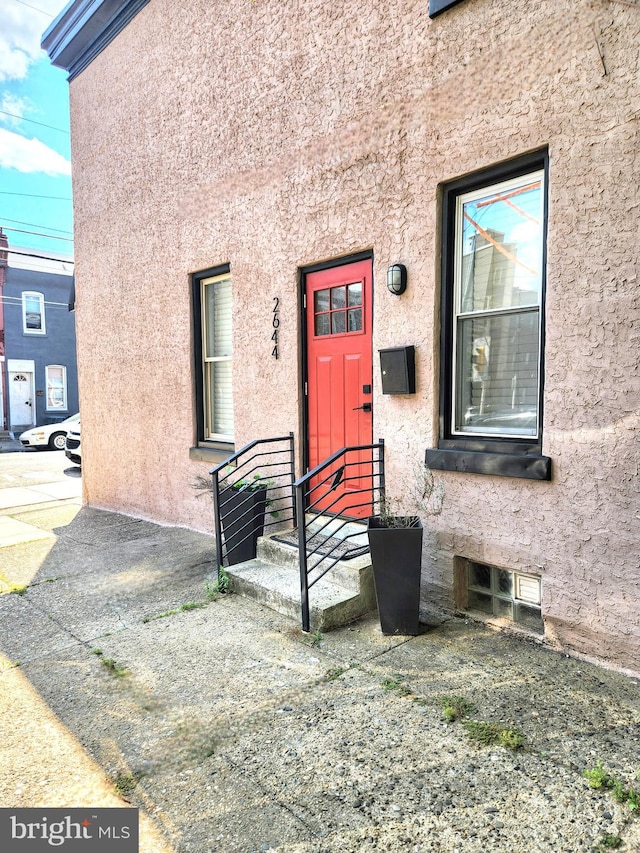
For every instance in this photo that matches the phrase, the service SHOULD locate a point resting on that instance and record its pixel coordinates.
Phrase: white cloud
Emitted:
(20, 34)
(30, 155)
(13, 109)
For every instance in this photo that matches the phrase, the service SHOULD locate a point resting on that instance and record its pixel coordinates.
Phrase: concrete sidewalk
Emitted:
(122, 678)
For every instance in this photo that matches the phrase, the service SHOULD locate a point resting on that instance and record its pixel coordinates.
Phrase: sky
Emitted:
(35, 155)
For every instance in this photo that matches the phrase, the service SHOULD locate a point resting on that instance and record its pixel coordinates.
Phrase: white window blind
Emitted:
(217, 329)
(56, 375)
(33, 313)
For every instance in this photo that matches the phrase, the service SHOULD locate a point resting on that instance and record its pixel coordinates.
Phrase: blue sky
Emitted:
(35, 167)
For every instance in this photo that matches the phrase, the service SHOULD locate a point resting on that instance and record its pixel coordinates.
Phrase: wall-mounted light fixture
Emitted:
(397, 279)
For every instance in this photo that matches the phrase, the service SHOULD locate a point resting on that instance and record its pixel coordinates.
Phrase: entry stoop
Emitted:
(343, 595)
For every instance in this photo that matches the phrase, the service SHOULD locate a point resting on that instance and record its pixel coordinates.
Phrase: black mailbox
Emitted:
(398, 367)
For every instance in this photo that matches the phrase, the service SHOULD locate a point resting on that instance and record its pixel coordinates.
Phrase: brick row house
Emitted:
(453, 182)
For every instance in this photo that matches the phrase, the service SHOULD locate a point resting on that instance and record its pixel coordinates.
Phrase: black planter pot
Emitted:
(242, 514)
(396, 557)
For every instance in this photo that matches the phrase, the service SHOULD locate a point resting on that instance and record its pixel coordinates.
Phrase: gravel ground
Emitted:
(233, 732)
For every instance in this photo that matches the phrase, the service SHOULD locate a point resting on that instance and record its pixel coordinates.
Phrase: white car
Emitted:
(51, 436)
(72, 448)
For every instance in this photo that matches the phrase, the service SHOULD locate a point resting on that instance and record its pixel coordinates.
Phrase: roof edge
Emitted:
(84, 28)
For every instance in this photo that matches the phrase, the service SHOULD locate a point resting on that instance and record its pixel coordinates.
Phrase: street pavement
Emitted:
(126, 681)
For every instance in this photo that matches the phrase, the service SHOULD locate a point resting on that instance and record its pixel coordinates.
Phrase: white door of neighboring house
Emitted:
(21, 399)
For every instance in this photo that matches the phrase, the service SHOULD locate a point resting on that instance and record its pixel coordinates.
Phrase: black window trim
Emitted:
(437, 7)
(196, 306)
(507, 457)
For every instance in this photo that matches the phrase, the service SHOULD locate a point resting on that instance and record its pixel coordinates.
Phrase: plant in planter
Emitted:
(243, 505)
(395, 545)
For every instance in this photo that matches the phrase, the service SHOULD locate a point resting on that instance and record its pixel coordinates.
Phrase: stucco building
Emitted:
(232, 160)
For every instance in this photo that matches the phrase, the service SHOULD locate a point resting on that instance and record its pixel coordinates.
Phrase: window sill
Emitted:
(487, 462)
(212, 454)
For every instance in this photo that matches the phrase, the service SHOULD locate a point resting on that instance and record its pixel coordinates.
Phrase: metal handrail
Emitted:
(258, 465)
(310, 499)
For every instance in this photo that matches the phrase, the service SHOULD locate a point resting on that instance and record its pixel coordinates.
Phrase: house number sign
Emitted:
(275, 352)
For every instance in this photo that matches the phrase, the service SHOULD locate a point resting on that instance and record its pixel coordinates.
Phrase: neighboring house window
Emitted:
(56, 376)
(213, 299)
(33, 322)
(492, 310)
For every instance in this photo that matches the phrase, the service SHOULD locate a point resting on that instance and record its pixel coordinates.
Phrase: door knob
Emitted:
(366, 407)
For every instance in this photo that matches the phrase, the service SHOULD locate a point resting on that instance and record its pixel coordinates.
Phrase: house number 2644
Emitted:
(276, 322)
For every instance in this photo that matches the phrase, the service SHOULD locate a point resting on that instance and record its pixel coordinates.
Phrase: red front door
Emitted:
(339, 372)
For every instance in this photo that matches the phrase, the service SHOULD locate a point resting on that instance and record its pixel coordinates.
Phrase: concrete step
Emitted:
(350, 574)
(278, 587)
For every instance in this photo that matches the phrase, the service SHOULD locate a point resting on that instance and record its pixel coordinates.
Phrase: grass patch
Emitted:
(110, 664)
(114, 667)
(609, 842)
(600, 779)
(493, 734)
(125, 784)
(455, 707)
(397, 684)
(334, 673)
(212, 592)
(312, 639)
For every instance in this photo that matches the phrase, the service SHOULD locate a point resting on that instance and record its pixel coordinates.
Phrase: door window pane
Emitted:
(338, 322)
(355, 320)
(355, 294)
(321, 300)
(338, 297)
(322, 324)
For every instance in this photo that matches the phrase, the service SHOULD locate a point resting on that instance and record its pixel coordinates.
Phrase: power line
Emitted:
(35, 9)
(28, 195)
(33, 121)
(33, 225)
(37, 234)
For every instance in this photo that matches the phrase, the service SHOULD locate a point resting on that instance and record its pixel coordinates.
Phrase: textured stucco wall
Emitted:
(271, 135)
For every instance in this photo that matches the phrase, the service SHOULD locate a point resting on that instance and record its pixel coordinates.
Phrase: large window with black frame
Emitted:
(493, 310)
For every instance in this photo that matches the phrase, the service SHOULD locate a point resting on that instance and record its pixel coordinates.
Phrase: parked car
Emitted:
(51, 436)
(72, 449)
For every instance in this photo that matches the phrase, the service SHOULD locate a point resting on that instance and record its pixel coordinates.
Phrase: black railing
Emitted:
(332, 496)
(252, 491)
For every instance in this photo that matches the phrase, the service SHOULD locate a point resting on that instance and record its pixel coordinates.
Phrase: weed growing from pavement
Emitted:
(600, 779)
(110, 664)
(125, 784)
(609, 842)
(488, 734)
(212, 592)
(336, 672)
(493, 734)
(455, 707)
(313, 639)
(397, 683)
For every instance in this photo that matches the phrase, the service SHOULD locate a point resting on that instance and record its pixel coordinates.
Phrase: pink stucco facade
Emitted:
(273, 135)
